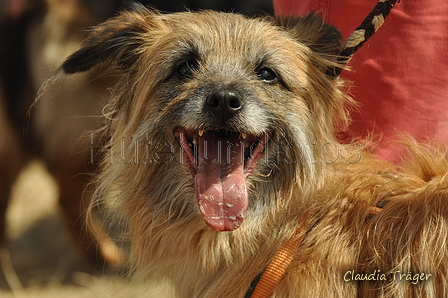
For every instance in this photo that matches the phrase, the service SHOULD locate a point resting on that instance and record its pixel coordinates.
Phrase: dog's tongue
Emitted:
(220, 182)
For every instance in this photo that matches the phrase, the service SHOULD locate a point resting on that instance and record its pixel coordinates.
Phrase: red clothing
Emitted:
(400, 76)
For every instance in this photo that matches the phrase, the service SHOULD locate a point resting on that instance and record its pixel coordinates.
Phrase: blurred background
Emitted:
(46, 154)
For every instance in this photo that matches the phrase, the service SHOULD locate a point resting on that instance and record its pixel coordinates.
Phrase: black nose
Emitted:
(224, 104)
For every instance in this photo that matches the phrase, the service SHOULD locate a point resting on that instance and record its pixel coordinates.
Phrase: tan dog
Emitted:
(222, 149)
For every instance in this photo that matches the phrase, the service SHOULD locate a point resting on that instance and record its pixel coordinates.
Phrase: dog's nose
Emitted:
(224, 103)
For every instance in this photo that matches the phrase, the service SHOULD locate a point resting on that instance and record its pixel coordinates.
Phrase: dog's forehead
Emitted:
(227, 35)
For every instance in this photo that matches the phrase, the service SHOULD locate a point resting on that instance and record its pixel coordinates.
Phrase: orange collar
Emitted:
(280, 262)
(266, 283)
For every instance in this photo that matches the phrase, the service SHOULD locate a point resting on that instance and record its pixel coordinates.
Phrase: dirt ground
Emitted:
(40, 261)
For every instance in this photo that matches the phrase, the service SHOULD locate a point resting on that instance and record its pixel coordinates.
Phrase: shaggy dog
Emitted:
(222, 156)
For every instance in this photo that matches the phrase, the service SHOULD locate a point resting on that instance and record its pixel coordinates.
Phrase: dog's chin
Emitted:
(220, 161)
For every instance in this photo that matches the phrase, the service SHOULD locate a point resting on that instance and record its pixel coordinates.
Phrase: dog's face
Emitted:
(240, 106)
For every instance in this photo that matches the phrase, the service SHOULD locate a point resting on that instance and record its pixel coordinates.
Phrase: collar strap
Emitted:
(266, 283)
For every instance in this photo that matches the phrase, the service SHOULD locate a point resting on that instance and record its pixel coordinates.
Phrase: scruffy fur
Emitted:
(168, 66)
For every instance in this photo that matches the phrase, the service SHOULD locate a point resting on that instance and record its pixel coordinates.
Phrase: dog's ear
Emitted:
(311, 30)
(116, 41)
(314, 32)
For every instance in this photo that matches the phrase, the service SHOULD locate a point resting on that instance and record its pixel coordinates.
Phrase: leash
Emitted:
(363, 32)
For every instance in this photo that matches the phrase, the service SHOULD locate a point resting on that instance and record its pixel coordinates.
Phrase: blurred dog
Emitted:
(222, 150)
(35, 41)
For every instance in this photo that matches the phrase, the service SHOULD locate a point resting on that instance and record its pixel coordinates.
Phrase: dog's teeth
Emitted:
(243, 135)
(201, 132)
(246, 144)
(195, 139)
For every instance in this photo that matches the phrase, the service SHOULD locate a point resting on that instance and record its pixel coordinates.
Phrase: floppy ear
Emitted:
(319, 36)
(116, 41)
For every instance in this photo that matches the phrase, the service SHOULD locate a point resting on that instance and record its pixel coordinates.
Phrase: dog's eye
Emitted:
(267, 75)
(186, 68)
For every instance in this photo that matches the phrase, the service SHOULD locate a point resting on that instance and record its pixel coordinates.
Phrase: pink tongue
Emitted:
(220, 182)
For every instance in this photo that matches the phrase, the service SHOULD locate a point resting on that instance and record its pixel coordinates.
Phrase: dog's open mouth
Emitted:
(220, 161)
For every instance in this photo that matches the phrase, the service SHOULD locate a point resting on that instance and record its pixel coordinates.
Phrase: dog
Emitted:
(222, 162)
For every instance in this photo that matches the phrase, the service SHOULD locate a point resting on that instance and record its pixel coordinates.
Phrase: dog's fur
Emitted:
(173, 70)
